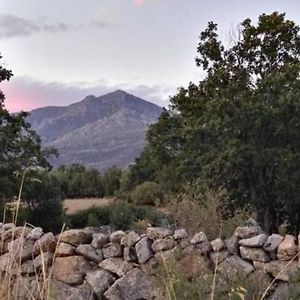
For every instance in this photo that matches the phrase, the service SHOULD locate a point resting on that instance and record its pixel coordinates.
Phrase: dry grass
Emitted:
(72, 206)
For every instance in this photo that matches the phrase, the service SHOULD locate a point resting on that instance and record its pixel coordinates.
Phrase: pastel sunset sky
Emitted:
(63, 50)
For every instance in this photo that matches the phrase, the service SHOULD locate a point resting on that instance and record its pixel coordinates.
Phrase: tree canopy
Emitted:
(239, 128)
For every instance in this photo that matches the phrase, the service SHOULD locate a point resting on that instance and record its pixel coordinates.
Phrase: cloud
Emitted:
(15, 26)
(23, 93)
(142, 2)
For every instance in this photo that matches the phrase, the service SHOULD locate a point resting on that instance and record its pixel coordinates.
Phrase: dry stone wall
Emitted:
(94, 264)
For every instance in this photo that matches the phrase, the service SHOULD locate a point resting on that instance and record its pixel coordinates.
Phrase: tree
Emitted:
(240, 125)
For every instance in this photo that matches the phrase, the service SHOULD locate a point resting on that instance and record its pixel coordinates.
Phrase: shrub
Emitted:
(147, 193)
(119, 215)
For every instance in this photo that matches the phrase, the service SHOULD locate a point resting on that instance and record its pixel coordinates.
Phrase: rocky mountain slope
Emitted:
(98, 131)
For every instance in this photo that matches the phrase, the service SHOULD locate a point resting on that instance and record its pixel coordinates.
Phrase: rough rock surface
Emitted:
(90, 253)
(254, 254)
(287, 249)
(255, 241)
(135, 285)
(154, 233)
(233, 265)
(130, 239)
(273, 242)
(143, 250)
(76, 237)
(198, 238)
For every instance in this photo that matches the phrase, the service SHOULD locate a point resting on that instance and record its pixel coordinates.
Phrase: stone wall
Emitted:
(96, 264)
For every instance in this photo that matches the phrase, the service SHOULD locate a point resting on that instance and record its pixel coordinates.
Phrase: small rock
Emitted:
(246, 232)
(163, 244)
(112, 250)
(191, 250)
(254, 254)
(116, 266)
(35, 234)
(281, 292)
(199, 237)
(287, 249)
(99, 240)
(71, 269)
(65, 249)
(130, 239)
(76, 237)
(180, 234)
(154, 233)
(90, 253)
(8, 226)
(151, 266)
(43, 261)
(116, 236)
(143, 250)
(273, 242)
(217, 244)
(100, 281)
(135, 285)
(255, 241)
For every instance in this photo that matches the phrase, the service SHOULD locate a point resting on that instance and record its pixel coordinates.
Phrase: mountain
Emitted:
(97, 131)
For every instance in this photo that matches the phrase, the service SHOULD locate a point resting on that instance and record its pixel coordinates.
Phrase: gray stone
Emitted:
(232, 245)
(218, 257)
(130, 239)
(154, 233)
(287, 249)
(116, 266)
(35, 234)
(217, 244)
(255, 241)
(281, 270)
(112, 250)
(116, 236)
(43, 261)
(71, 269)
(204, 247)
(246, 232)
(99, 240)
(281, 292)
(21, 249)
(90, 253)
(135, 285)
(273, 242)
(143, 250)
(199, 237)
(65, 249)
(76, 237)
(180, 234)
(47, 243)
(163, 244)
(62, 291)
(100, 281)
(129, 254)
(256, 254)
(234, 265)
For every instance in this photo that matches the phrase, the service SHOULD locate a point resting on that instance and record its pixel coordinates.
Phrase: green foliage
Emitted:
(147, 193)
(119, 215)
(111, 181)
(239, 128)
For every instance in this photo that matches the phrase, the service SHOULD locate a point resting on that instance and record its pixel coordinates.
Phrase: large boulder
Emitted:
(143, 250)
(47, 243)
(135, 285)
(65, 249)
(71, 269)
(76, 237)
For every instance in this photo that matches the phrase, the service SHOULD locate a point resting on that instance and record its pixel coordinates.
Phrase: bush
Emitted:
(147, 193)
(119, 215)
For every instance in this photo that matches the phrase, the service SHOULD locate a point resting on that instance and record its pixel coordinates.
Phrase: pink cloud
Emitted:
(139, 2)
(23, 93)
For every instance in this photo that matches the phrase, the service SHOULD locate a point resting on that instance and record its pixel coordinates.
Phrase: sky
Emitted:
(63, 50)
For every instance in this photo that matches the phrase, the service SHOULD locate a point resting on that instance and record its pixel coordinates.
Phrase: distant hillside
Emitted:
(97, 132)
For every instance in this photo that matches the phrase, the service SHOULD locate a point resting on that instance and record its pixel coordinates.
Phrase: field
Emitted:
(72, 206)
